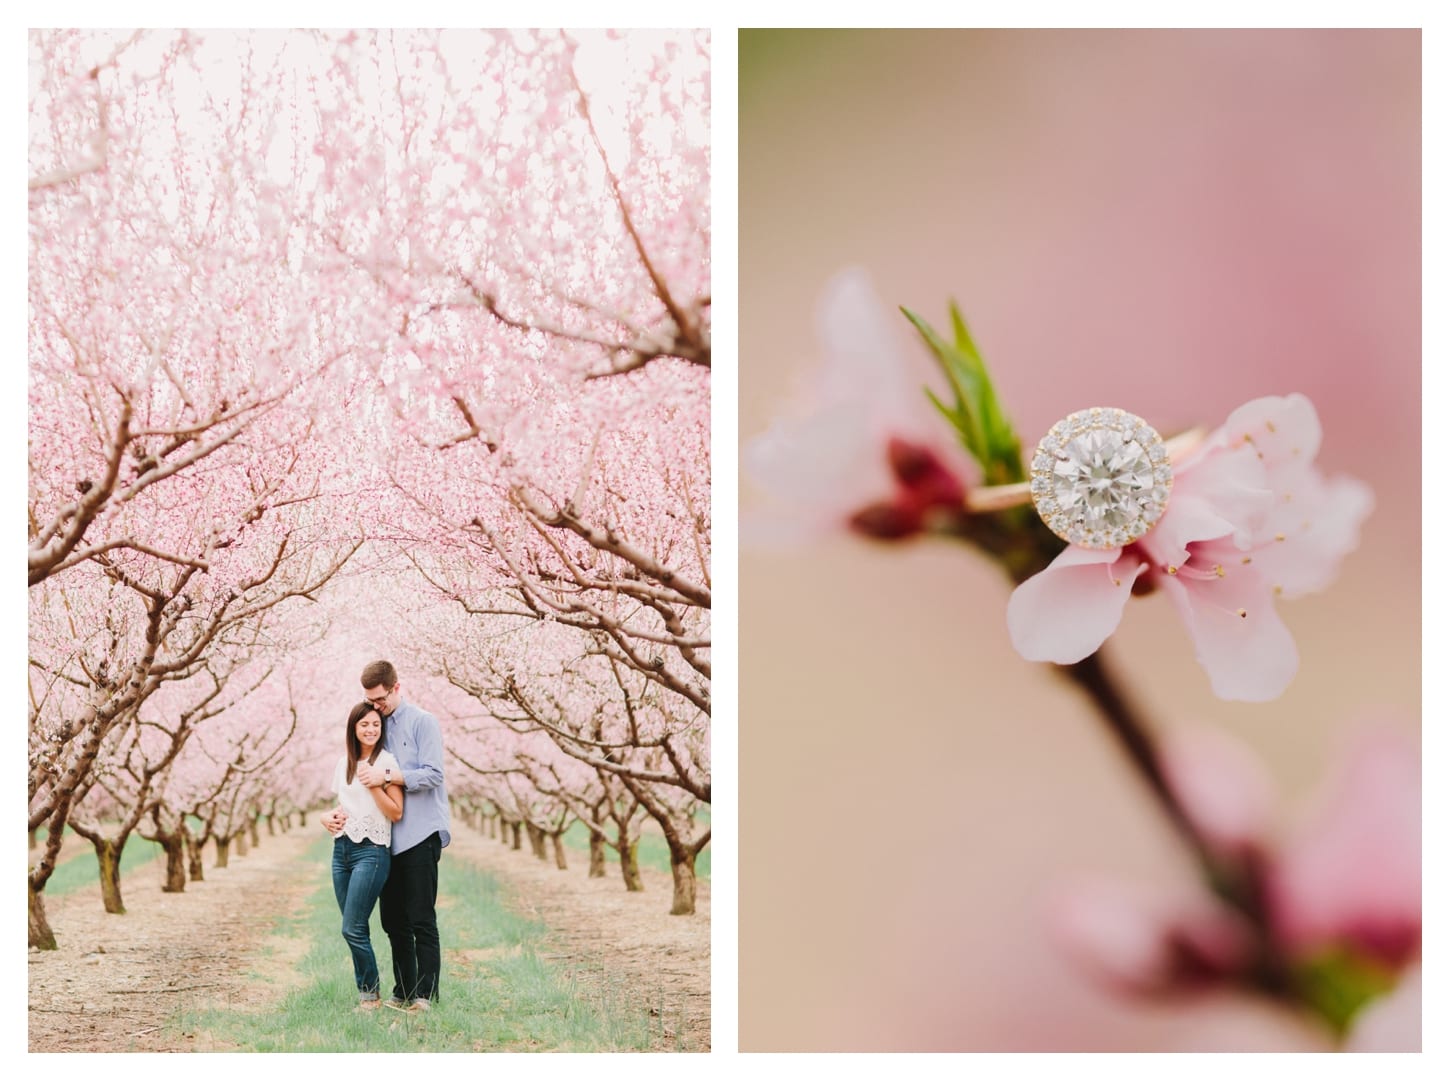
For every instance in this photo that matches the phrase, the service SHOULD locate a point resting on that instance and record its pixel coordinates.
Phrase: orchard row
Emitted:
(357, 346)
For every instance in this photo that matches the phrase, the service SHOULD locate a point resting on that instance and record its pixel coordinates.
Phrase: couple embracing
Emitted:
(390, 828)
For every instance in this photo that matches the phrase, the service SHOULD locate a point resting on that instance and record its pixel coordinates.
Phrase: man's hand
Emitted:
(369, 774)
(334, 820)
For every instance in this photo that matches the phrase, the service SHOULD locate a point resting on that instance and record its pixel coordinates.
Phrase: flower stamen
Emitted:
(1197, 574)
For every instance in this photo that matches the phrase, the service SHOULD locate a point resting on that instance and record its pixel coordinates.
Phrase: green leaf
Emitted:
(975, 412)
(1337, 983)
(964, 337)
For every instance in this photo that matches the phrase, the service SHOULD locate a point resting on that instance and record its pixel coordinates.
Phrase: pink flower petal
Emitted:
(1285, 431)
(1350, 873)
(827, 458)
(1237, 636)
(1141, 939)
(1116, 932)
(821, 463)
(1222, 785)
(862, 345)
(1320, 522)
(1066, 611)
(1234, 484)
(1188, 520)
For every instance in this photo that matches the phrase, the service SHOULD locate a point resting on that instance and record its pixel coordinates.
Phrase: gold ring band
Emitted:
(996, 497)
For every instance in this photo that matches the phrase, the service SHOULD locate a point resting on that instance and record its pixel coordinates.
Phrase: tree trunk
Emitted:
(193, 859)
(536, 840)
(559, 860)
(629, 867)
(175, 849)
(682, 868)
(492, 822)
(242, 841)
(518, 833)
(222, 847)
(596, 855)
(108, 857)
(271, 826)
(252, 829)
(33, 841)
(41, 936)
(302, 819)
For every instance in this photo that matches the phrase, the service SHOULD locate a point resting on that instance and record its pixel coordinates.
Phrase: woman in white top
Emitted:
(360, 858)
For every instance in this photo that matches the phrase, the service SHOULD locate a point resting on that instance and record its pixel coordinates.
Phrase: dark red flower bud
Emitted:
(909, 461)
(926, 479)
(887, 521)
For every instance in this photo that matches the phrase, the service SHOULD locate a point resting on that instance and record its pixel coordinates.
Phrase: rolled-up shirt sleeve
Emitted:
(429, 771)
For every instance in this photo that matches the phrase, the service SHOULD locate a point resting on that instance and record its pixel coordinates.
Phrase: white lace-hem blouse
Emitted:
(364, 821)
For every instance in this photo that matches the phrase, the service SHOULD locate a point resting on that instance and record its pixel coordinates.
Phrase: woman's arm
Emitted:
(389, 799)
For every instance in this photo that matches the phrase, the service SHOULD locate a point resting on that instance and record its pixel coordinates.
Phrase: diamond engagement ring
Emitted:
(1100, 478)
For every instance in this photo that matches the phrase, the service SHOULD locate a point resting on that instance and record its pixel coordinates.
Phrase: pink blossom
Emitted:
(1250, 519)
(1223, 788)
(865, 449)
(1348, 875)
(1342, 883)
(1140, 940)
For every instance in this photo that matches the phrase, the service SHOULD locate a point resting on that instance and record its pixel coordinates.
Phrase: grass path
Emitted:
(498, 993)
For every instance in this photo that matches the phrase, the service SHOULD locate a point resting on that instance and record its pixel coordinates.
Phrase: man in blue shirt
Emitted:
(410, 897)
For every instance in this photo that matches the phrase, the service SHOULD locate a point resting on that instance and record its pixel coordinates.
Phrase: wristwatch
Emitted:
(387, 776)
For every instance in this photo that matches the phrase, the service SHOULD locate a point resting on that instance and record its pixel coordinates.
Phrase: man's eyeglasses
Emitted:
(378, 701)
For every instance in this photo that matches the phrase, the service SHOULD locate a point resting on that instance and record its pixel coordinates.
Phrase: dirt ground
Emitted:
(116, 979)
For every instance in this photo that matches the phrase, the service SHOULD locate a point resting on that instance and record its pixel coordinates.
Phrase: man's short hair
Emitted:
(380, 674)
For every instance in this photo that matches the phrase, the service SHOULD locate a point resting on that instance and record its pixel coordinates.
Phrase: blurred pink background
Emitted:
(1173, 222)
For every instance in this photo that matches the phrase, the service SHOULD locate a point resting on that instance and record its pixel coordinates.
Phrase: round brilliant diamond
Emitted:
(1100, 478)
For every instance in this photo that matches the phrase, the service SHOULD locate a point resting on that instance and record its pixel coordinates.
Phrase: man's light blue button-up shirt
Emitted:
(416, 741)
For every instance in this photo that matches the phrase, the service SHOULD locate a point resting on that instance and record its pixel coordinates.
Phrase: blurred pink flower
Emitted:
(1140, 940)
(864, 448)
(1223, 788)
(1250, 519)
(1348, 876)
(1341, 888)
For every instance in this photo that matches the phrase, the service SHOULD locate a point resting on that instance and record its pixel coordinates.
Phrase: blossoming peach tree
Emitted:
(1227, 523)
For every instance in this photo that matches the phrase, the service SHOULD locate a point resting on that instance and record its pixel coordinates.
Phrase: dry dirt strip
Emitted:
(115, 980)
(603, 933)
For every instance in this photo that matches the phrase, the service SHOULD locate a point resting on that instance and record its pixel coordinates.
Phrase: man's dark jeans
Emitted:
(410, 921)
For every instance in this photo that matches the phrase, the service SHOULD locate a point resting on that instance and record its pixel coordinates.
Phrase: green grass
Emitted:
(653, 852)
(497, 993)
(82, 870)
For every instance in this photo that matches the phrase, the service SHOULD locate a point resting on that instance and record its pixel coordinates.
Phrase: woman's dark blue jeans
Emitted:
(359, 870)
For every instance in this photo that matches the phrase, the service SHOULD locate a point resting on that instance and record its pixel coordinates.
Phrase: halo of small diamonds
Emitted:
(1101, 478)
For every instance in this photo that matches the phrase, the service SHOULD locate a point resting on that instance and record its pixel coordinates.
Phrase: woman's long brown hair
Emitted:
(354, 747)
